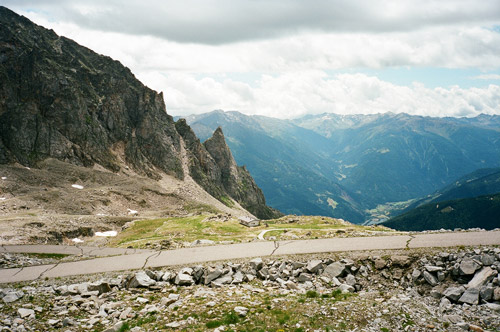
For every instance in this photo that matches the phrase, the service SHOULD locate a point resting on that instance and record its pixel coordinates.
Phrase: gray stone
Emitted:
(224, 280)
(167, 276)
(416, 274)
(183, 279)
(454, 319)
(334, 270)
(401, 261)
(241, 311)
(441, 275)
(303, 277)
(431, 268)
(186, 270)
(12, 297)
(291, 285)
(344, 288)
(496, 294)
(380, 263)
(468, 267)
(430, 278)
(256, 263)
(486, 293)
(298, 265)
(487, 260)
(23, 312)
(454, 293)
(493, 306)
(141, 279)
(470, 296)
(263, 273)
(350, 280)
(314, 265)
(202, 242)
(100, 286)
(238, 277)
(482, 277)
(211, 275)
(115, 328)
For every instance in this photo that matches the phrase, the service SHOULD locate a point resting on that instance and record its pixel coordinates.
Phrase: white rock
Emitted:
(23, 312)
(4, 178)
(132, 212)
(242, 311)
(77, 240)
(77, 186)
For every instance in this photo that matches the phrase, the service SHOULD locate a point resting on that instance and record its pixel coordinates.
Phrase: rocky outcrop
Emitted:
(61, 100)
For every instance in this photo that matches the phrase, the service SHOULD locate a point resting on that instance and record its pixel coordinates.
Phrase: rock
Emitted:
(493, 306)
(468, 267)
(211, 275)
(256, 263)
(482, 277)
(126, 313)
(416, 274)
(183, 279)
(241, 311)
(496, 294)
(263, 273)
(431, 268)
(475, 328)
(12, 297)
(380, 263)
(334, 270)
(224, 280)
(140, 279)
(291, 285)
(346, 288)
(314, 266)
(350, 280)
(297, 265)
(238, 278)
(430, 278)
(23, 312)
(454, 319)
(100, 286)
(186, 270)
(202, 242)
(173, 325)
(487, 260)
(167, 276)
(486, 293)
(401, 261)
(303, 277)
(454, 293)
(470, 296)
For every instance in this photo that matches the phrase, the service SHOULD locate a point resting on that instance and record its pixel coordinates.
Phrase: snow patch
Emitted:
(77, 240)
(4, 178)
(132, 212)
(77, 186)
(106, 234)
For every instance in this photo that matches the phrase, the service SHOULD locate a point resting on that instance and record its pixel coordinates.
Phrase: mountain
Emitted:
(61, 100)
(354, 162)
(291, 164)
(463, 213)
(478, 183)
(396, 157)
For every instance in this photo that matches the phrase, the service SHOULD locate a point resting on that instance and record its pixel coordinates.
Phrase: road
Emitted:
(129, 259)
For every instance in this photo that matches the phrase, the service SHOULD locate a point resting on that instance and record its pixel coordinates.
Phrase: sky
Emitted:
(289, 58)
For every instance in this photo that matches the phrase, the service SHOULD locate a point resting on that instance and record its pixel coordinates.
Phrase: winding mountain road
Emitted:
(129, 259)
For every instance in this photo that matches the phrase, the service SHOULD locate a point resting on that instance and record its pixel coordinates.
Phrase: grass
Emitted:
(46, 255)
(191, 228)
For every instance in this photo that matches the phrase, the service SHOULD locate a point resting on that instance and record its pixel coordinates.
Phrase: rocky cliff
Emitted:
(61, 100)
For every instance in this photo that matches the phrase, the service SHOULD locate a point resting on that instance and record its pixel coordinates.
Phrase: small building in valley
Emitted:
(249, 221)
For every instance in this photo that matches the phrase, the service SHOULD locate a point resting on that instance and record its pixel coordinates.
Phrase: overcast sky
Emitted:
(287, 58)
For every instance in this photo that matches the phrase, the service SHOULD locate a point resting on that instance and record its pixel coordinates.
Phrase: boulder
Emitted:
(454, 293)
(183, 279)
(350, 280)
(486, 293)
(100, 286)
(238, 278)
(23, 312)
(432, 268)
(401, 261)
(344, 288)
(334, 270)
(140, 279)
(303, 277)
(380, 263)
(211, 275)
(496, 294)
(314, 265)
(430, 278)
(468, 267)
(224, 280)
(470, 296)
(12, 296)
(487, 260)
(482, 277)
(256, 263)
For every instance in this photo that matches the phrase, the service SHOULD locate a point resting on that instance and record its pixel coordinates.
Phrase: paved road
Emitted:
(129, 260)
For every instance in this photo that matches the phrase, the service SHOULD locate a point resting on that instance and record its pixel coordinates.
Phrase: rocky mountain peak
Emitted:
(61, 100)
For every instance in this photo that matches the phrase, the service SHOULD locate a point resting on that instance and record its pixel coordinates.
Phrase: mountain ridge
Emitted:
(62, 100)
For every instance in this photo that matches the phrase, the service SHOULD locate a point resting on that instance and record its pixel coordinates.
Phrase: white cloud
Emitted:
(487, 77)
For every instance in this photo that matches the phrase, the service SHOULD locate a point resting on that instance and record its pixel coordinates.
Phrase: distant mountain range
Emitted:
(344, 165)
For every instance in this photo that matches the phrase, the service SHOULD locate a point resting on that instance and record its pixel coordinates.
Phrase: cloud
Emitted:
(487, 77)
(227, 21)
(313, 92)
